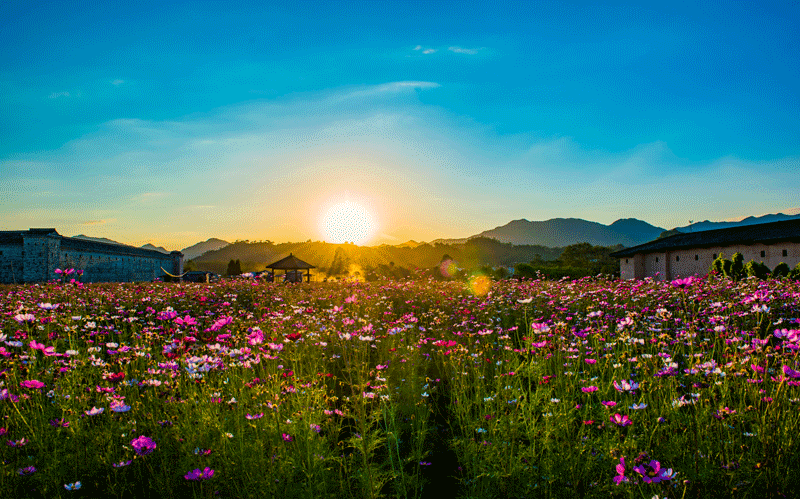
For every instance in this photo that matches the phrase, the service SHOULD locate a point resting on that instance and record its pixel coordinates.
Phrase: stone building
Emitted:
(692, 253)
(33, 256)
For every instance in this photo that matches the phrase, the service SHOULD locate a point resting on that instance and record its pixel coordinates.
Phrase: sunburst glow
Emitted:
(348, 222)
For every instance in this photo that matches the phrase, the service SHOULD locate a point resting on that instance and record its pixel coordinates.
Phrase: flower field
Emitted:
(586, 388)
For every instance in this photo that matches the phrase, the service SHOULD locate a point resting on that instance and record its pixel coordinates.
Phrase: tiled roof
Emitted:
(775, 232)
(291, 262)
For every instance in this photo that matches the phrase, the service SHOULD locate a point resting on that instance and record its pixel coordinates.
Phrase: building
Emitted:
(692, 253)
(33, 256)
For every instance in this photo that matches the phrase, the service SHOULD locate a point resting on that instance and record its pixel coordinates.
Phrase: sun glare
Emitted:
(348, 222)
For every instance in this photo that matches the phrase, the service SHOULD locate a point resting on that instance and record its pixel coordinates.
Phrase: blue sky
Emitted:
(172, 122)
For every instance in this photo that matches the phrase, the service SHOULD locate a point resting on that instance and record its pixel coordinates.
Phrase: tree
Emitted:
(234, 268)
(781, 270)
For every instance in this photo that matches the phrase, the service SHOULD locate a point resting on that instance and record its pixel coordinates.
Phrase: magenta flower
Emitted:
(652, 472)
(143, 445)
(620, 472)
(287, 437)
(588, 389)
(32, 383)
(683, 283)
(791, 373)
(620, 420)
(30, 470)
(94, 411)
(254, 416)
(196, 475)
(608, 403)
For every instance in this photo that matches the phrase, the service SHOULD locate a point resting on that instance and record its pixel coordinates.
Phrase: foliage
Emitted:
(781, 270)
(234, 268)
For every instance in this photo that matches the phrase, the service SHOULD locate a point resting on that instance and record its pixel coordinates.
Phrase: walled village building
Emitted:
(33, 256)
(687, 254)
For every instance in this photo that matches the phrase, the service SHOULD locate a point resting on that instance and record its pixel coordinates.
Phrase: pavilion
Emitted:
(294, 264)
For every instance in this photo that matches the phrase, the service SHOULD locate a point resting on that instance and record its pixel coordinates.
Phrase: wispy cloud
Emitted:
(462, 50)
(453, 48)
(99, 222)
(117, 82)
(56, 95)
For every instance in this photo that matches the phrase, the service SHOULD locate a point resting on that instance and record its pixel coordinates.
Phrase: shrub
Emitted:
(781, 270)
(753, 269)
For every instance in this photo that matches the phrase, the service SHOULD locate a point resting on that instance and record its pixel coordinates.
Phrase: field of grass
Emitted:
(586, 388)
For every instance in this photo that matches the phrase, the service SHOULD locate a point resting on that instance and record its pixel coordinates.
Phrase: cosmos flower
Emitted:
(30, 470)
(620, 420)
(652, 472)
(620, 468)
(197, 474)
(32, 383)
(143, 445)
(72, 486)
(94, 411)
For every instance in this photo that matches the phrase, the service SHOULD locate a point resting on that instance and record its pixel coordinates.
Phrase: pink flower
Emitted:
(32, 383)
(652, 472)
(620, 420)
(626, 386)
(788, 371)
(287, 437)
(254, 416)
(588, 389)
(608, 403)
(620, 472)
(143, 445)
(196, 474)
(94, 411)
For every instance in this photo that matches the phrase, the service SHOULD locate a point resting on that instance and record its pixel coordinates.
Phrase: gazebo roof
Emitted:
(291, 262)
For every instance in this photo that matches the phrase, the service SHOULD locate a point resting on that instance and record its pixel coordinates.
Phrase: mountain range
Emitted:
(189, 253)
(553, 233)
(560, 232)
(764, 219)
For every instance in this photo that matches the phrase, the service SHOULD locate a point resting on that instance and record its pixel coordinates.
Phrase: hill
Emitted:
(706, 225)
(350, 259)
(198, 249)
(560, 232)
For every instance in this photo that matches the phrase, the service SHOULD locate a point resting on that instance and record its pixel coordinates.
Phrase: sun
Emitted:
(348, 222)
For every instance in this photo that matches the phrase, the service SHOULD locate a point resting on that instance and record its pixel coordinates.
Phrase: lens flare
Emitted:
(448, 268)
(480, 285)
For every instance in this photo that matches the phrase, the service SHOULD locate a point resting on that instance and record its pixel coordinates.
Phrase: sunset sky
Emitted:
(174, 122)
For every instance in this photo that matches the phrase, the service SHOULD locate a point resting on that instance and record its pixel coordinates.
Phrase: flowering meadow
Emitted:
(533, 388)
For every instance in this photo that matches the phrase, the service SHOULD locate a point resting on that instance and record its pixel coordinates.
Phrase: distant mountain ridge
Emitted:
(764, 219)
(200, 248)
(560, 232)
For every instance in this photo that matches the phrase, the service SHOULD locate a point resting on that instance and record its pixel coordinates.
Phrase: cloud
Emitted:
(117, 82)
(429, 51)
(461, 50)
(418, 47)
(98, 222)
(397, 86)
(56, 95)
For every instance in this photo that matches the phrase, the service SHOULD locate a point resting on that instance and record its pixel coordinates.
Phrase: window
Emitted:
(785, 253)
(656, 259)
(763, 253)
(696, 257)
(715, 256)
(626, 260)
(677, 259)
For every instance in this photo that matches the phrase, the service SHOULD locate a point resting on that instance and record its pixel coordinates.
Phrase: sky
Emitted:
(173, 122)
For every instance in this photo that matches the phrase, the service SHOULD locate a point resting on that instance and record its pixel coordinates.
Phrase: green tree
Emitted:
(234, 268)
(781, 270)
